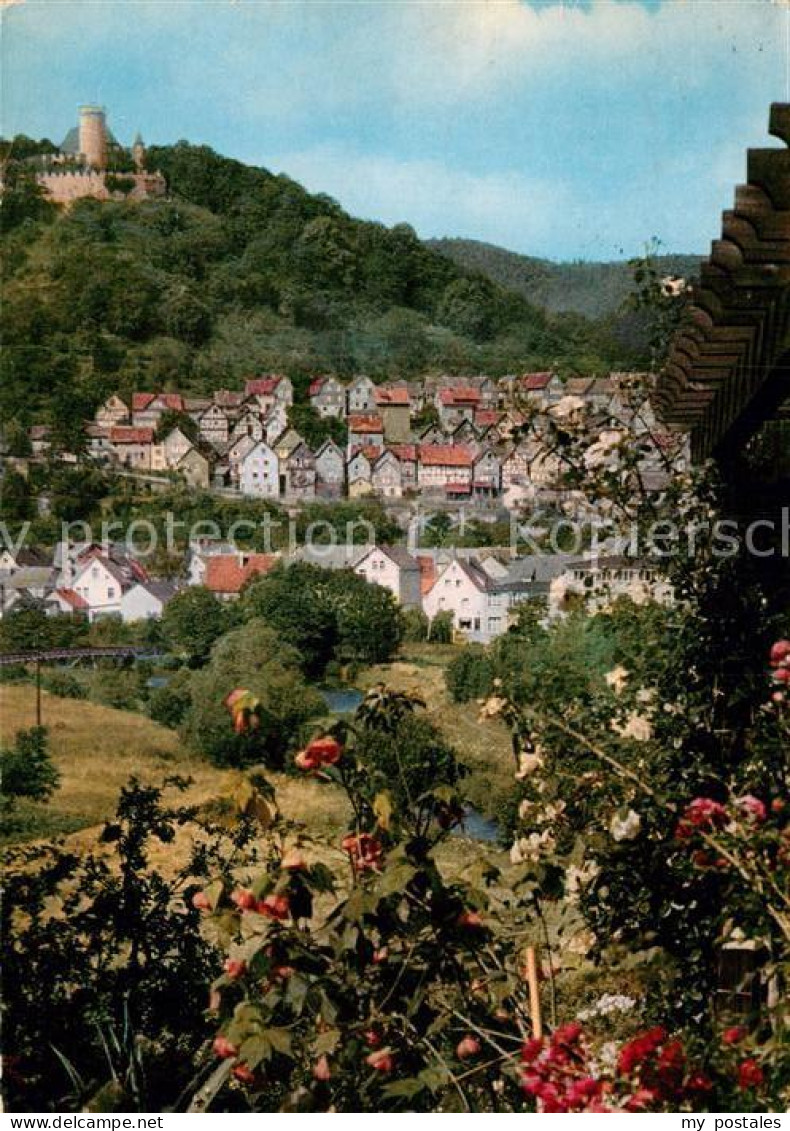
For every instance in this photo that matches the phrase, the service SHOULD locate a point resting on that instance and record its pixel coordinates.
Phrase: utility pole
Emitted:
(38, 690)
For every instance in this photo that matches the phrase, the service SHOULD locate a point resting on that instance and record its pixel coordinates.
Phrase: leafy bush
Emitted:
(63, 684)
(192, 621)
(470, 674)
(168, 705)
(106, 971)
(253, 657)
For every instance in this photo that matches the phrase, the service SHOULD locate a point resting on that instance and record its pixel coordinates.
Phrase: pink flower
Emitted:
(780, 652)
(702, 813)
(753, 807)
(567, 1034)
(531, 1050)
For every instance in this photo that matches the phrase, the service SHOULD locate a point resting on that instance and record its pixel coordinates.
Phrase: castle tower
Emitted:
(93, 136)
(138, 153)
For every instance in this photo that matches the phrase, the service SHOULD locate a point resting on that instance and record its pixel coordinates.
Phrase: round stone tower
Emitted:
(138, 153)
(93, 136)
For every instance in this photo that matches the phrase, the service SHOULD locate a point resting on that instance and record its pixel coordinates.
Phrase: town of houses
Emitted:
(241, 442)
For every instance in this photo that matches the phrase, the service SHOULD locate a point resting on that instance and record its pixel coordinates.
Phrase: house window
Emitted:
(477, 624)
(110, 593)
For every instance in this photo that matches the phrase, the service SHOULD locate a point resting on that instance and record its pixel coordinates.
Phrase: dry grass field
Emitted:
(97, 749)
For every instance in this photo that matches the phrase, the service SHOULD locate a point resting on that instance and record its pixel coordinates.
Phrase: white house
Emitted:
(387, 476)
(478, 603)
(598, 581)
(101, 582)
(175, 446)
(360, 395)
(395, 569)
(259, 472)
(275, 422)
(214, 426)
(249, 424)
(145, 600)
(330, 468)
(327, 396)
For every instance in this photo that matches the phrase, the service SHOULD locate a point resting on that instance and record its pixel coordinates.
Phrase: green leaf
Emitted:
(327, 1042)
(280, 1040)
(255, 1049)
(408, 1088)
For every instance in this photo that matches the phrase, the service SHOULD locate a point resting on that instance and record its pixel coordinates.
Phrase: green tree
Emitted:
(192, 622)
(27, 768)
(255, 658)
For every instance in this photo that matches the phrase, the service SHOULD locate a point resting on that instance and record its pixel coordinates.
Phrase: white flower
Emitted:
(636, 726)
(617, 678)
(627, 827)
(527, 764)
(582, 943)
(603, 449)
(577, 878)
(568, 407)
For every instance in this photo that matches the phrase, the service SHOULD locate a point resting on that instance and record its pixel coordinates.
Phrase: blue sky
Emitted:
(575, 130)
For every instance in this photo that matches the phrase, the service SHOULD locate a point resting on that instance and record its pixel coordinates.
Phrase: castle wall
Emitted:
(64, 188)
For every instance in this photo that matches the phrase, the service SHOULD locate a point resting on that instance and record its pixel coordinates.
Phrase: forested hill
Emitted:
(596, 290)
(237, 272)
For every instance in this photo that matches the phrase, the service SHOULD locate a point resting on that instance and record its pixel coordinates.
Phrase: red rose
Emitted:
(467, 1046)
(733, 1035)
(244, 1073)
(320, 752)
(750, 1074)
(235, 968)
(780, 651)
(638, 1050)
(567, 1034)
(470, 919)
(243, 898)
(381, 1061)
(531, 1050)
(321, 1069)
(274, 907)
(224, 1048)
(365, 851)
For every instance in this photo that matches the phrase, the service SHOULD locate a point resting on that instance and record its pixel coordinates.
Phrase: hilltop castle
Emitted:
(90, 162)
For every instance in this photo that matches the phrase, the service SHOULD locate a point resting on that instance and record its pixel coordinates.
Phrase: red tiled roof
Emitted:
(533, 382)
(445, 455)
(316, 386)
(369, 451)
(392, 397)
(365, 422)
(487, 416)
(71, 597)
(459, 395)
(227, 398)
(261, 386)
(172, 401)
(127, 434)
(228, 573)
(141, 401)
(405, 452)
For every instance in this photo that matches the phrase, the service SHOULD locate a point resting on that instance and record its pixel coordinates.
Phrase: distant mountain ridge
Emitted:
(595, 290)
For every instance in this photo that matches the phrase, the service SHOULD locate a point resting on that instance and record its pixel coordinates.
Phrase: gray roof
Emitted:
(538, 567)
(331, 557)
